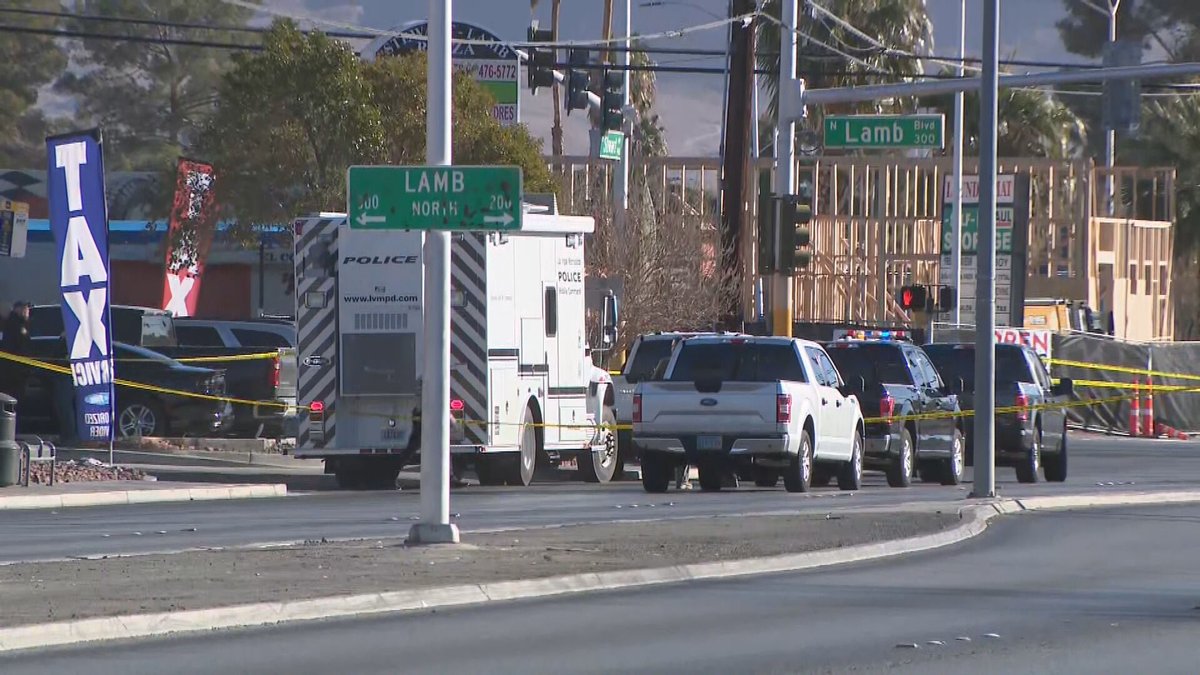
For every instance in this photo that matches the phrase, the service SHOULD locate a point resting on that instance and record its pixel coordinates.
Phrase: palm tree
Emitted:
(1032, 124)
(902, 25)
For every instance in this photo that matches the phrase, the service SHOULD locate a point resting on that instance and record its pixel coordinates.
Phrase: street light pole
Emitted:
(1110, 135)
(621, 179)
(959, 102)
(435, 526)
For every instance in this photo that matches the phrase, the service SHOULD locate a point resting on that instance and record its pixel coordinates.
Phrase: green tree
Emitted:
(902, 25)
(289, 120)
(27, 62)
(149, 97)
(649, 135)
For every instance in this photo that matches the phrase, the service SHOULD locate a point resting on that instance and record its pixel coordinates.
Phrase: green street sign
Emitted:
(885, 131)
(456, 198)
(611, 144)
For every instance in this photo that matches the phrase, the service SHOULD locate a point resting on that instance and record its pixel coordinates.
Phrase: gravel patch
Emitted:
(40, 592)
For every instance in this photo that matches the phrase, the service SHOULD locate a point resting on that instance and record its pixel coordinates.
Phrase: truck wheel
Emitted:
(522, 464)
(348, 476)
(798, 477)
(489, 470)
(380, 477)
(900, 471)
(952, 469)
(141, 417)
(599, 466)
(1027, 469)
(766, 478)
(712, 478)
(656, 472)
(1056, 464)
(850, 473)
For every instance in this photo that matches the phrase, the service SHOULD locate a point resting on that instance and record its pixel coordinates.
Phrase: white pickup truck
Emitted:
(763, 406)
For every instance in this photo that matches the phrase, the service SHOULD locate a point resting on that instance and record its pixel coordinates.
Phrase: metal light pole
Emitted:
(985, 264)
(785, 163)
(621, 179)
(1110, 135)
(435, 526)
(959, 101)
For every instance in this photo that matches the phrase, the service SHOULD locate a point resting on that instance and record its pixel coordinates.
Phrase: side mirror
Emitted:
(1065, 387)
(610, 320)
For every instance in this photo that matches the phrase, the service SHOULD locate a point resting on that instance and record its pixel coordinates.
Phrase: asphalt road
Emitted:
(1071, 592)
(49, 535)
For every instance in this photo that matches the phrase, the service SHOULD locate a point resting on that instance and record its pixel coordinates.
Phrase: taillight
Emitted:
(637, 408)
(1022, 405)
(275, 373)
(887, 406)
(783, 408)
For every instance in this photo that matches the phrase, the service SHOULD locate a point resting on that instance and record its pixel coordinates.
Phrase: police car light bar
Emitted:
(857, 334)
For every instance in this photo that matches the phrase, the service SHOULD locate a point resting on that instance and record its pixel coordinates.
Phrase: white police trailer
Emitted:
(523, 386)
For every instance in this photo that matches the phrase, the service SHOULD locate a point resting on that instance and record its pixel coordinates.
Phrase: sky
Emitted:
(690, 105)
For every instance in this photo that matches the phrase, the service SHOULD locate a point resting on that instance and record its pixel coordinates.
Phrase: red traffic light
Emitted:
(912, 297)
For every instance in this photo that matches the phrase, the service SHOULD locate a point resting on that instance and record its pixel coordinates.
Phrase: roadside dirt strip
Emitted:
(50, 592)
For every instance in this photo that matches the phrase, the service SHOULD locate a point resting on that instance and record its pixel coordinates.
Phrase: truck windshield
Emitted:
(646, 357)
(874, 363)
(958, 361)
(737, 362)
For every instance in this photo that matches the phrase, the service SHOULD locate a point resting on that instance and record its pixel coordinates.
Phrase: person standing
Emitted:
(16, 329)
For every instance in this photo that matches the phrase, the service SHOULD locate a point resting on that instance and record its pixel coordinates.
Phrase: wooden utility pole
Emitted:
(735, 159)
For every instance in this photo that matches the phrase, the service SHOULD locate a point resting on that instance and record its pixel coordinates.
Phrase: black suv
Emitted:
(912, 417)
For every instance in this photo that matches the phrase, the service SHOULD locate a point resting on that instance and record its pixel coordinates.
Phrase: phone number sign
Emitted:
(476, 51)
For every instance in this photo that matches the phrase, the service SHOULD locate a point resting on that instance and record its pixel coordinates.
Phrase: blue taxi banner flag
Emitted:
(79, 221)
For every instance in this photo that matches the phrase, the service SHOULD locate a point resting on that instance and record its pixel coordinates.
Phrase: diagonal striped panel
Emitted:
(468, 331)
(316, 327)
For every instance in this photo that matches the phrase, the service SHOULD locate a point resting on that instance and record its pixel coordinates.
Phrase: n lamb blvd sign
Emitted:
(1012, 234)
(457, 198)
(885, 131)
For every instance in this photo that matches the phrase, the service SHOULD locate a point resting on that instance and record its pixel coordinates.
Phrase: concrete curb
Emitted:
(975, 520)
(147, 496)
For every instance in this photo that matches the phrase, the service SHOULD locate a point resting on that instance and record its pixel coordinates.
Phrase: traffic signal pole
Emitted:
(782, 312)
(984, 484)
(620, 194)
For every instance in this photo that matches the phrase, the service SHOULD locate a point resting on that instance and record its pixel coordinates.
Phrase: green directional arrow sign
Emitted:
(456, 198)
(884, 131)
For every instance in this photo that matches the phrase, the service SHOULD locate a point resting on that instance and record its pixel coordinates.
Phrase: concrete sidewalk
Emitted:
(105, 493)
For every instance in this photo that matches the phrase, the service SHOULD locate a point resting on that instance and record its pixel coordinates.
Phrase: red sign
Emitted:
(189, 238)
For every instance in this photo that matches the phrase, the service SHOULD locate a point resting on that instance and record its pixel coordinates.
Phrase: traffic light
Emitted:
(612, 102)
(766, 232)
(539, 69)
(795, 235)
(579, 80)
(946, 298)
(913, 298)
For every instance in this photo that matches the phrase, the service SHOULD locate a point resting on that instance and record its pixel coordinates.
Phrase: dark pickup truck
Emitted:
(137, 411)
(246, 379)
(911, 422)
(1035, 436)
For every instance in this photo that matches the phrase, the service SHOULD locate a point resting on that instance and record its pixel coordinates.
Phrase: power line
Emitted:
(4, 28)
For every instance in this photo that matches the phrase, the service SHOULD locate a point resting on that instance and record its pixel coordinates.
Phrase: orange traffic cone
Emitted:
(1135, 413)
(1148, 411)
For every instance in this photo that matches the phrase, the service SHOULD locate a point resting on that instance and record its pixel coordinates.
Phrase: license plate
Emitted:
(708, 442)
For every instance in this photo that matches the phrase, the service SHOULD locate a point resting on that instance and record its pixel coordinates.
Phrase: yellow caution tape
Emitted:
(947, 414)
(1123, 369)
